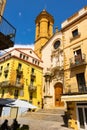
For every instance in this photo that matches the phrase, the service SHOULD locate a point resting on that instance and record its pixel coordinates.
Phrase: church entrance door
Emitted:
(58, 93)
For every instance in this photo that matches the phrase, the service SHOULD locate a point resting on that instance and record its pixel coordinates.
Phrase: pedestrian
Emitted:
(4, 125)
(15, 125)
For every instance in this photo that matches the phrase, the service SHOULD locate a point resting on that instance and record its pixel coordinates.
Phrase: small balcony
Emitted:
(32, 87)
(17, 84)
(19, 72)
(7, 34)
(13, 84)
(33, 76)
(57, 66)
(4, 84)
(6, 69)
(75, 94)
(79, 60)
(75, 91)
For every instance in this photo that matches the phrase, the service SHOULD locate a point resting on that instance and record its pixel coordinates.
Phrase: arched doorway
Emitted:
(58, 93)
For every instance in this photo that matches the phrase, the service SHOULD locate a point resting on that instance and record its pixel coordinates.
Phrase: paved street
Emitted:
(39, 124)
(42, 124)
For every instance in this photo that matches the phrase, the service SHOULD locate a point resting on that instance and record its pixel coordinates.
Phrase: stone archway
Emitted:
(58, 89)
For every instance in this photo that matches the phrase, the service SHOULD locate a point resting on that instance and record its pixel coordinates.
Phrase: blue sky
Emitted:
(22, 13)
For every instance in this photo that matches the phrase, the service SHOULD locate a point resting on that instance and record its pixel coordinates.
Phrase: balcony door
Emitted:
(81, 82)
(82, 117)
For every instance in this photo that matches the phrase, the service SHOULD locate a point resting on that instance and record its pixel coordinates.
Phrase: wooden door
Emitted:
(58, 93)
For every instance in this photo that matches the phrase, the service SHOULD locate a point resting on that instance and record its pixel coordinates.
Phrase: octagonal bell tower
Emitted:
(44, 30)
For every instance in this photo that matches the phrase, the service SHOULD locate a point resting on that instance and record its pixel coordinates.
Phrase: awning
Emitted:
(4, 101)
(21, 103)
(74, 97)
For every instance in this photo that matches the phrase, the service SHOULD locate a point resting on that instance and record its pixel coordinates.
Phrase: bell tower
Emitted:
(44, 30)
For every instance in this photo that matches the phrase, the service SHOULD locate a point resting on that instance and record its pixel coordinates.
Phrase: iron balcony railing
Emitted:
(78, 60)
(33, 75)
(15, 84)
(19, 71)
(7, 34)
(32, 87)
(6, 69)
(75, 91)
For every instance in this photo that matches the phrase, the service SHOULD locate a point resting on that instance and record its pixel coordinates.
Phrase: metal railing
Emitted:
(6, 28)
(79, 60)
(9, 83)
(75, 91)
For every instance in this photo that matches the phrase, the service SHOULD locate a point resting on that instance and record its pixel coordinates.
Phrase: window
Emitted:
(8, 65)
(56, 44)
(38, 29)
(20, 55)
(32, 70)
(35, 61)
(18, 80)
(3, 91)
(1, 70)
(16, 94)
(23, 56)
(27, 58)
(75, 33)
(19, 66)
(81, 82)
(6, 75)
(38, 62)
(30, 52)
(78, 56)
(32, 60)
(1, 67)
(31, 97)
(48, 27)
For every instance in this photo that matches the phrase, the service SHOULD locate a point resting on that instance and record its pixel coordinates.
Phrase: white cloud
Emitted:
(17, 46)
(24, 46)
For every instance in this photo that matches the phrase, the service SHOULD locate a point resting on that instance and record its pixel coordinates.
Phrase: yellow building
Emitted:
(44, 30)
(20, 71)
(74, 31)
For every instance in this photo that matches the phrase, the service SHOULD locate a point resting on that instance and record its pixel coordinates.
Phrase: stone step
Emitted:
(47, 117)
(47, 114)
(53, 111)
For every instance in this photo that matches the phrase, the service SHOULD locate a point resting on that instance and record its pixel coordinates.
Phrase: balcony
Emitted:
(4, 84)
(7, 34)
(17, 84)
(6, 69)
(13, 84)
(32, 87)
(57, 66)
(75, 91)
(19, 72)
(33, 76)
(75, 94)
(79, 60)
